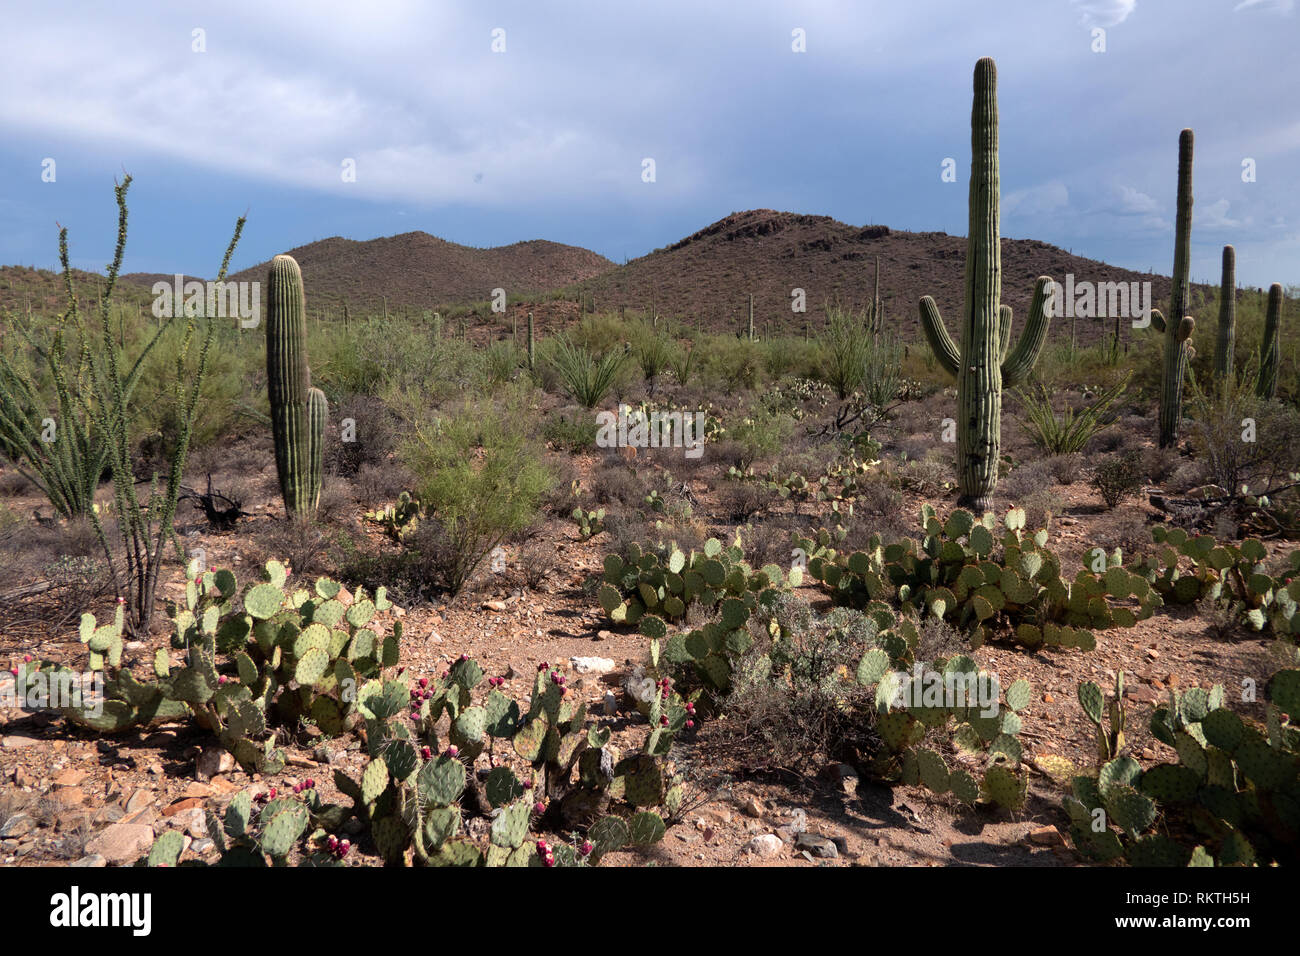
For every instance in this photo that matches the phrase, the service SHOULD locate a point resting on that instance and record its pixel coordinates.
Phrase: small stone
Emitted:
(818, 845)
(753, 807)
(1046, 836)
(202, 846)
(180, 806)
(610, 704)
(138, 801)
(90, 860)
(70, 778)
(1048, 699)
(213, 762)
(766, 845)
(494, 605)
(798, 821)
(591, 665)
(19, 742)
(122, 842)
(604, 635)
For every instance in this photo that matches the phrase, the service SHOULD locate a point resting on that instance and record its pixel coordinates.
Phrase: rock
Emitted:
(109, 813)
(494, 605)
(122, 842)
(843, 776)
(1046, 836)
(23, 779)
(610, 704)
(180, 806)
(19, 742)
(17, 825)
(194, 822)
(753, 807)
(798, 821)
(603, 635)
(70, 778)
(91, 860)
(213, 762)
(766, 845)
(202, 847)
(591, 665)
(818, 845)
(138, 801)
(70, 796)
(842, 845)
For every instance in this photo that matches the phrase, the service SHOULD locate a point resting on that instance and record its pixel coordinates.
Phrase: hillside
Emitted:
(712, 273)
(705, 278)
(422, 271)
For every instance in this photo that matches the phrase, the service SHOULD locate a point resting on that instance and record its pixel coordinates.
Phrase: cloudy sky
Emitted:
(491, 122)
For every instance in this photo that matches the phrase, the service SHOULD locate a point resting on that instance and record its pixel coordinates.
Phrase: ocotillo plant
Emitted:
(985, 364)
(1268, 346)
(297, 410)
(1178, 330)
(1227, 315)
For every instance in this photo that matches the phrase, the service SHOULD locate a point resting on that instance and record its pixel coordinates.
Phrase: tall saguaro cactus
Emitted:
(985, 363)
(1178, 331)
(298, 411)
(1223, 357)
(1268, 346)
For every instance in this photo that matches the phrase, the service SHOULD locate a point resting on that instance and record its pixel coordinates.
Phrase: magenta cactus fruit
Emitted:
(453, 750)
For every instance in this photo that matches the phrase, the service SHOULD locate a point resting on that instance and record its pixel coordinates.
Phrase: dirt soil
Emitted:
(61, 788)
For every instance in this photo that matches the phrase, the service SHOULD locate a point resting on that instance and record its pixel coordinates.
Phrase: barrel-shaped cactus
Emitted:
(1178, 330)
(985, 363)
(298, 411)
(1227, 338)
(1268, 346)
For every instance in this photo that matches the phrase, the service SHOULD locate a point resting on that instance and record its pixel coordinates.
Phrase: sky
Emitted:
(492, 122)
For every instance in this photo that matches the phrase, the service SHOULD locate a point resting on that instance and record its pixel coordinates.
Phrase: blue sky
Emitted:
(546, 139)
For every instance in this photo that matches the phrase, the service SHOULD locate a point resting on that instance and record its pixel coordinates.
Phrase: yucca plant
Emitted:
(586, 377)
(1071, 430)
(654, 353)
(59, 453)
(682, 362)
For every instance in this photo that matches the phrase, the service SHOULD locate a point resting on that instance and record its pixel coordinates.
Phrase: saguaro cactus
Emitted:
(532, 350)
(1268, 346)
(984, 363)
(1178, 331)
(298, 411)
(1227, 315)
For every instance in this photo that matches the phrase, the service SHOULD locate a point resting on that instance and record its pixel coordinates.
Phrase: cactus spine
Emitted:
(1178, 330)
(1268, 347)
(298, 411)
(1223, 357)
(984, 363)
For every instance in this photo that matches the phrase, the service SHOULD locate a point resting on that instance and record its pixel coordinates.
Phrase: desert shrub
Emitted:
(1041, 506)
(741, 500)
(378, 483)
(586, 377)
(1240, 438)
(573, 430)
(846, 350)
(480, 470)
(615, 484)
(299, 542)
(373, 434)
(1071, 430)
(733, 362)
(500, 361)
(1119, 477)
(759, 435)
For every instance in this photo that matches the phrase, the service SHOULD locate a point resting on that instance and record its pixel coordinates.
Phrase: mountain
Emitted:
(421, 271)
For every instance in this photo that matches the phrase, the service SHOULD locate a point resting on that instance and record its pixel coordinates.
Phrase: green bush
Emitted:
(480, 473)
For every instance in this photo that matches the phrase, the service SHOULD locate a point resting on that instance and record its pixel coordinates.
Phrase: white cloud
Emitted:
(1215, 216)
(1036, 200)
(1105, 13)
(1281, 6)
(1134, 202)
